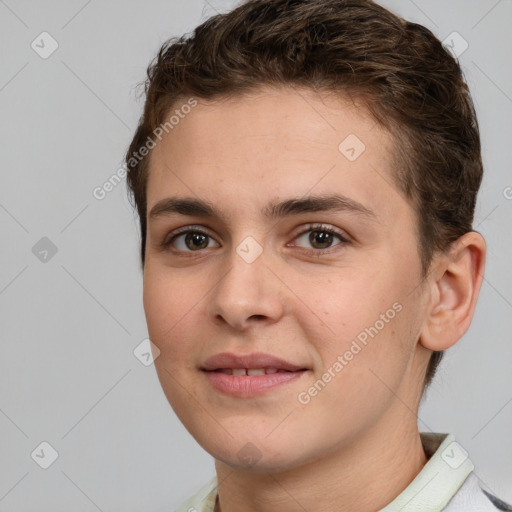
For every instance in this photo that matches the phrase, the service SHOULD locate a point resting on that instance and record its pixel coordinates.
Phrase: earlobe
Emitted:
(456, 284)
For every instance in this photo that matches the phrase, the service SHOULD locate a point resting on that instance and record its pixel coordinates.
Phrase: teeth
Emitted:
(255, 371)
(248, 371)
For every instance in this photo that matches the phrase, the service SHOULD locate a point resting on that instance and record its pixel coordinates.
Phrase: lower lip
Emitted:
(250, 385)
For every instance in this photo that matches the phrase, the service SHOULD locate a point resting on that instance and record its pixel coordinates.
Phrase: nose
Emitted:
(248, 293)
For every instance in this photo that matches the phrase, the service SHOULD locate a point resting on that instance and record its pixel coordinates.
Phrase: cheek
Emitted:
(166, 308)
(360, 316)
(156, 305)
(345, 303)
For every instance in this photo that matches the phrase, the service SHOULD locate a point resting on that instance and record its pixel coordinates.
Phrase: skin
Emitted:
(355, 445)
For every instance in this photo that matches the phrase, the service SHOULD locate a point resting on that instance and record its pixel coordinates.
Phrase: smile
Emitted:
(250, 382)
(249, 371)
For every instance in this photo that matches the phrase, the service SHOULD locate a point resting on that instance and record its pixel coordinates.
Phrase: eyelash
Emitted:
(311, 227)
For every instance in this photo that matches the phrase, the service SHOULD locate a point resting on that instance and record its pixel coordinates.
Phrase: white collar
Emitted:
(439, 480)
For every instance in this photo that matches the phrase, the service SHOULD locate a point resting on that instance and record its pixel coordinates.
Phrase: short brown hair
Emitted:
(400, 71)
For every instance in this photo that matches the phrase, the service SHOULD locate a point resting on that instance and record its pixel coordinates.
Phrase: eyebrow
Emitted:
(295, 206)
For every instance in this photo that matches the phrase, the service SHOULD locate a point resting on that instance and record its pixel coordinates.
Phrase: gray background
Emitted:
(70, 324)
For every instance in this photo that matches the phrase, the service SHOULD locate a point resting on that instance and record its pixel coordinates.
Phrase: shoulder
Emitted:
(472, 498)
(203, 500)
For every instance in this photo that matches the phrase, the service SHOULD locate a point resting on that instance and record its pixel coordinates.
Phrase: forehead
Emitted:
(279, 141)
(289, 113)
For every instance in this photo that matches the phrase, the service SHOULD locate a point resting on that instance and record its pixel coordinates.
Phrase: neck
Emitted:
(365, 474)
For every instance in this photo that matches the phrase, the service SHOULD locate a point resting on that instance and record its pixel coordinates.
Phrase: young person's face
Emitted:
(305, 298)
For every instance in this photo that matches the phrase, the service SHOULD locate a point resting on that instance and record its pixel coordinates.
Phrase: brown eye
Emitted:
(190, 241)
(196, 241)
(320, 238)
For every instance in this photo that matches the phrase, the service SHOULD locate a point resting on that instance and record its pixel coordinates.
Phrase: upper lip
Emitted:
(227, 360)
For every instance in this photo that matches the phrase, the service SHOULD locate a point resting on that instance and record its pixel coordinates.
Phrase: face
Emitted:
(274, 227)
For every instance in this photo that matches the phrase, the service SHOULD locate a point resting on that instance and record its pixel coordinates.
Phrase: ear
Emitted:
(455, 282)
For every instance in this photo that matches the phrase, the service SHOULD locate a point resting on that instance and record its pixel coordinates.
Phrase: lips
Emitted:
(258, 362)
(250, 375)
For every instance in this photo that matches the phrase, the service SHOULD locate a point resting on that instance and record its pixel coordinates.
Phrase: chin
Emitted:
(259, 455)
(262, 463)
